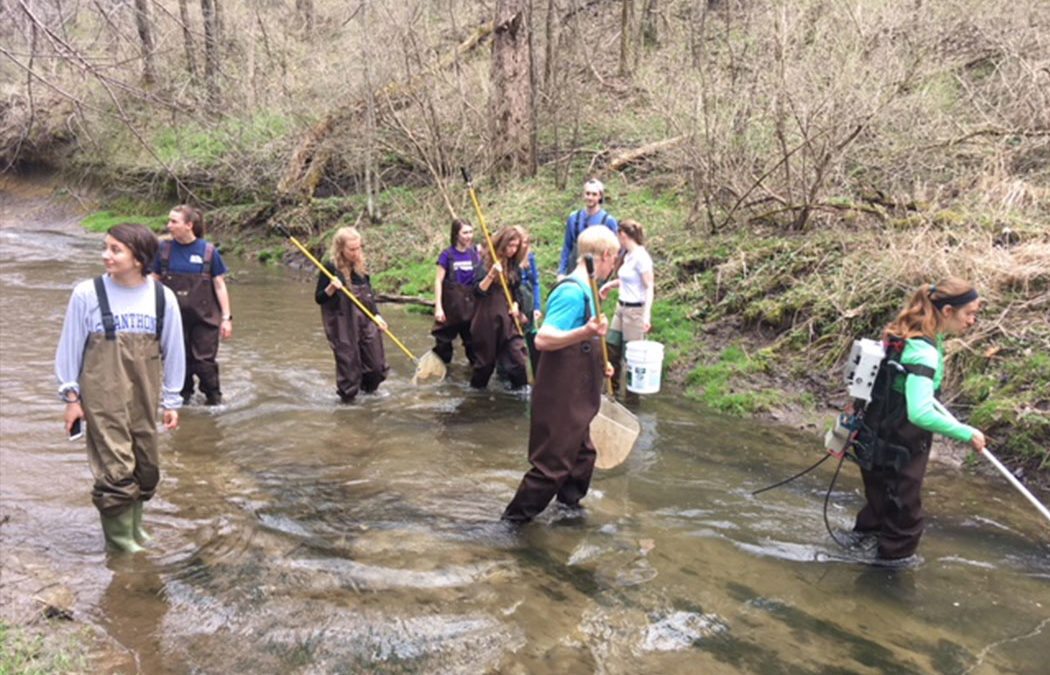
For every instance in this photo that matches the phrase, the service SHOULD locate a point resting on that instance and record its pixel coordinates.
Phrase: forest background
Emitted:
(799, 165)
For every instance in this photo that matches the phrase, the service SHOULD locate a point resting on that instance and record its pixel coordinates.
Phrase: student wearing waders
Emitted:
(193, 268)
(356, 341)
(454, 292)
(120, 355)
(531, 301)
(493, 330)
(909, 415)
(567, 392)
(591, 214)
(634, 307)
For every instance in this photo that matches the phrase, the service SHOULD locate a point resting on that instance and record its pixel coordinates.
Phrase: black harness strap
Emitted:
(158, 290)
(108, 325)
(165, 258)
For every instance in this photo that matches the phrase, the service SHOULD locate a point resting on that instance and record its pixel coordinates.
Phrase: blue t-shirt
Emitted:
(578, 222)
(189, 259)
(460, 264)
(569, 303)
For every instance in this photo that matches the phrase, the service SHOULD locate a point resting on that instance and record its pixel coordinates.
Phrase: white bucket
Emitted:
(645, 360)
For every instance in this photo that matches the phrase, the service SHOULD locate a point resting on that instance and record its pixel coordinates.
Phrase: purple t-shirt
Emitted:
(459, 263)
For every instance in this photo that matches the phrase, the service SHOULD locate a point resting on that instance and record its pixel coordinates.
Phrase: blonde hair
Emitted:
(921, 317)
(343, 236)
(597, 240)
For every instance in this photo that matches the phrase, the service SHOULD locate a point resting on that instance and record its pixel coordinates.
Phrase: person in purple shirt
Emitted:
(454, 292)
(591, 214)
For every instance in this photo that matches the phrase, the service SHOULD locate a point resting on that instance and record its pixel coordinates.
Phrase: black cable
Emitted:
(827, 498)
(797, 475)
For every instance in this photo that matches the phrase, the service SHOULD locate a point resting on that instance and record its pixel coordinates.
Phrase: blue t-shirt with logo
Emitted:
(189, 259)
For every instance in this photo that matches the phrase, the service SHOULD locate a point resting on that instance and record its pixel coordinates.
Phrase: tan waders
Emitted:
(120, 390)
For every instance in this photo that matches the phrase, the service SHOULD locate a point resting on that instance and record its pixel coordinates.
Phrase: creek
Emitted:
(295, 534)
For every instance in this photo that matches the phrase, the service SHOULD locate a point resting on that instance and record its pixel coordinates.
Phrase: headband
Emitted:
(955, 300)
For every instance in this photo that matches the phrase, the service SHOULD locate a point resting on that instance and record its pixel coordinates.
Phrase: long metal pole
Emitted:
(1016, 483)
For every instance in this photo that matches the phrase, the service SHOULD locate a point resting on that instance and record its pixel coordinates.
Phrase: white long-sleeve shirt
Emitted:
(134, 311)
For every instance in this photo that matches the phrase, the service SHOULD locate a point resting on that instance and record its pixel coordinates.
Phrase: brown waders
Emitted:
(458, 302)
(565, 398)
(496, 338)
(355, 340)
(894, 497)
(201, 320)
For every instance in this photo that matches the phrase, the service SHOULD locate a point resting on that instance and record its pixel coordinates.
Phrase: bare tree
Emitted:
(211, 51)
(305, 10)
(626, 19)
(650, 29)
(187, 39)
(512, 101)
(142, 24)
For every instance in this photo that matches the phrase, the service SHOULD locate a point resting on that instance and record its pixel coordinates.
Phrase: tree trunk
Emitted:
(512, 102)
(187, 39)
(626, 19)
(305, 10)
(211, 52)
(650, 29)
(142, 24)
(549, 46)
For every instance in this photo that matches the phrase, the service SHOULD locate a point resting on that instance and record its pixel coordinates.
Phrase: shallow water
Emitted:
(293, 534)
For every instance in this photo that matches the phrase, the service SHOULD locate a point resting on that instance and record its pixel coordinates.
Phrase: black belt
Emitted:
(631, 304)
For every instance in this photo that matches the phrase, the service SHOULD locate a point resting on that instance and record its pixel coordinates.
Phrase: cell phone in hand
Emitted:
(76, 432)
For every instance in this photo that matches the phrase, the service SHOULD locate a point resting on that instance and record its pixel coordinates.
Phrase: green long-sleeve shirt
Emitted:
(925, 411)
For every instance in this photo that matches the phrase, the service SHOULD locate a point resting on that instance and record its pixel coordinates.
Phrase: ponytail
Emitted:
(922, 316)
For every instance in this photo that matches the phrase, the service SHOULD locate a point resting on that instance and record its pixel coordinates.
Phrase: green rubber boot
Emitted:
(141, 535)
(119, 531)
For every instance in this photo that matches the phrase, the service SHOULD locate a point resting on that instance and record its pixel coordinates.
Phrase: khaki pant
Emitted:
(120, 391)
(628, 324)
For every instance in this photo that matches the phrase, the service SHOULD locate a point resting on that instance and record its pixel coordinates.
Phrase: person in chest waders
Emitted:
(911, 415)
(356, 342)
(120, 354)
(567, 392)
(193, 268)
(454, 292)
(495, 335)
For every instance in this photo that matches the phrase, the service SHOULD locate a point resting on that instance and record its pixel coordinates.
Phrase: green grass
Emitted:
(204, 146)
(28, 654)
(723, 385)
(101, 221)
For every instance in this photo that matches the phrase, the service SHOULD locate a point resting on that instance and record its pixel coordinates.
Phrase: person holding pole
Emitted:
(496, 326)
(591, 214)
(355, 339)
(912, 414)
(567, 391)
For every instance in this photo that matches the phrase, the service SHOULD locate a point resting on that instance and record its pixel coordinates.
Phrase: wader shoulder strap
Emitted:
(605, 217)
(158, 290)
(165, 256)
(921, 371)
(108, 325)
(209, 254)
